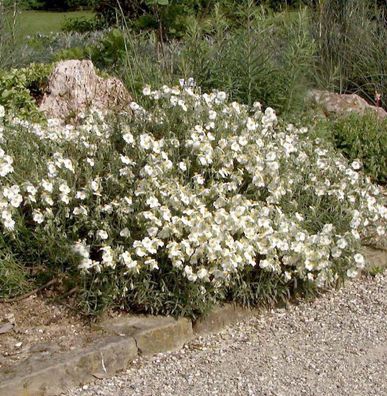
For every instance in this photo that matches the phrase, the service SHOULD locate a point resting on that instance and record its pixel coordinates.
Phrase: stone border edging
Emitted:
(129, 337)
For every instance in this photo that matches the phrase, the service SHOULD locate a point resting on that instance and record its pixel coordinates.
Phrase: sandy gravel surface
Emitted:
(336, 345)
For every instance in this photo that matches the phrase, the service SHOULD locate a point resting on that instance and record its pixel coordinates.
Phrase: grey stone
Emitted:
(43, 377)
(221, 317)
(74, 87)
(153, 334)
(375, 257)
(333, 103)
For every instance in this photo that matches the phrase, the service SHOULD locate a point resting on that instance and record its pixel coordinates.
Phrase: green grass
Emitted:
(31, 22)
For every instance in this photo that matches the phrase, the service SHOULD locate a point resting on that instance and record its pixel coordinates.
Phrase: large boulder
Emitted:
(341, 104)
(74, 87)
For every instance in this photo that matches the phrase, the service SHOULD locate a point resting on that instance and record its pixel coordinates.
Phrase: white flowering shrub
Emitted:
(188, 201)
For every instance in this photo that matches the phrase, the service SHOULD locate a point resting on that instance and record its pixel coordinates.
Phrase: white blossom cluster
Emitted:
(194, 182)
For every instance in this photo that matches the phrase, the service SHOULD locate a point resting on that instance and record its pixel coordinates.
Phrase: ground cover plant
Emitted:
(188, 201)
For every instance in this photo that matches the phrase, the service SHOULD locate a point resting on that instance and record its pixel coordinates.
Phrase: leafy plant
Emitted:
(362, 138)
(21, 90)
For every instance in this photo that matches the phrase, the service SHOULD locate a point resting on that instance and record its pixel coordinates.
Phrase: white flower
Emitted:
(152, 264)
(202, 273)
(16, 200)
(359, 260)
(221, 96)
(85, 264)
(146, 90)
(352, 273)
(356, 165)
(336, 252)
(8, 222)
(153, 202)
(80, 210)
(128, 137)
(146, 141)
(94, 186)
(82, 249)
(287, 276)
(189, 274)
(127, 260)
(37, 216)
(47, 186)
(134, 106)
(65, 189)
(235, 146)
(125, 160)
(271, 156)
(102, 234)
(212, 115)
(251, 124)
(80, 195)
(125, 232)
(182, 166)
(65, 198)
(342, 243)
(68, 165)
(2, 111)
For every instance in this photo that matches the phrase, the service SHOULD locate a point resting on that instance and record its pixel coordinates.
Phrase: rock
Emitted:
(375, 257)
(341, 104)
(6, 327)
(153, 334)
(220, 317)
(40, 376)
(74, 87)
(44, 347)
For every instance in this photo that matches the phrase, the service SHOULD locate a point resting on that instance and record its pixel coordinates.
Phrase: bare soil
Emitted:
(40, 327)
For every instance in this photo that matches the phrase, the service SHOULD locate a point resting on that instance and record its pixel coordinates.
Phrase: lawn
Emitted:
(31, 22)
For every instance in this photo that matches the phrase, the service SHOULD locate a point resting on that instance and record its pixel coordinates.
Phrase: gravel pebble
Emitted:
(334, 345)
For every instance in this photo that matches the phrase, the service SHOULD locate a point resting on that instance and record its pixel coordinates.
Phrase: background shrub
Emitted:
(22, 89)
(81, 24)
(361, 138)
(351, 50)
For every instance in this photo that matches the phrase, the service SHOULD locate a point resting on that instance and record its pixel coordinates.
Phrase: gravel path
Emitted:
(336, 345)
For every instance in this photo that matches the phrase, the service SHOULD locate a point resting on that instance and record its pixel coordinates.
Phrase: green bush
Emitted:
(189, 201)
(81, 24)
(21, 90)
(362, 138)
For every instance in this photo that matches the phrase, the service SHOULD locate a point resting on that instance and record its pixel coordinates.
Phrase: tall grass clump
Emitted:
(8, 25)
(266, 57)
(189, 201)
(351, 41)
(258, 55)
